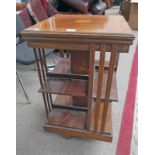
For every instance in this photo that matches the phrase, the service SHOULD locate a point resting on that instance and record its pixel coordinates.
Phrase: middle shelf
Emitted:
(73, 87)
(76, 87)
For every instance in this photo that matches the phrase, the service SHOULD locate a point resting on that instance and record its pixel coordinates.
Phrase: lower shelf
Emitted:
(67, 118)
(73, 123)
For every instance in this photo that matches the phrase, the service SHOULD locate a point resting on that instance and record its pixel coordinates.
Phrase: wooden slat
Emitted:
(108, 122)
(90, 83)
(48, 101)
(44, 60)
(99, 84)
(38, 66)
(43, 73)
(109, 83)
(71, 76)
(51, 101)
(43, 70)
(113, 93)
(41, 64)
(40, 79)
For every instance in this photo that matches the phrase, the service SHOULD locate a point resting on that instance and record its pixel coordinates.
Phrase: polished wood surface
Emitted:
(77, 32)
(83, 24)
(67, 118)
(65, 86)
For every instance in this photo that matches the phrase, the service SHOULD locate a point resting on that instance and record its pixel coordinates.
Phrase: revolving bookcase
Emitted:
(84, 87)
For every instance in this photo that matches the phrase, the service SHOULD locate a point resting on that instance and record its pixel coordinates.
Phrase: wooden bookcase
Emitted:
(84, 87)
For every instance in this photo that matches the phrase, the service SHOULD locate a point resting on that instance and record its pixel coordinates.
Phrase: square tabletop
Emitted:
(85, 25)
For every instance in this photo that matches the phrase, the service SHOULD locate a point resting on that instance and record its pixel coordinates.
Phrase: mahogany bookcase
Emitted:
(84, 95)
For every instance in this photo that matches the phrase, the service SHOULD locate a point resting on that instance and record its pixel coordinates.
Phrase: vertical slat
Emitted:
(90, 83)
(117, 60)
(50, 95)
(40, 78)
(48, 101)
(99, 84)
(109, 82)
(42, 64)
(43, 70)
(45, 104)
(44, 59)
(38, 67)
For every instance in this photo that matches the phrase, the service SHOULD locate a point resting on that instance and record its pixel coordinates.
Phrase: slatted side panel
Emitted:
(98, 121)
(42, 71)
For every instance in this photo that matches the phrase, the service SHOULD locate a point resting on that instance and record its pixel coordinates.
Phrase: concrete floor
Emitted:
(33, 140)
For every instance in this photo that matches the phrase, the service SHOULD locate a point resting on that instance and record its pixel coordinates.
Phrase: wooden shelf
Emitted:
(73, 87)
(63, 66)
(77, 120)
(67, 118)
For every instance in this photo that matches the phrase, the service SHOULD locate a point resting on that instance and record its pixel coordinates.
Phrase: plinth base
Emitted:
(78, 133)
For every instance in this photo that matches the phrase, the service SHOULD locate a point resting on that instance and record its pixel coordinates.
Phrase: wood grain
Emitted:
(79, 29)
(73, 87)
(66, 118)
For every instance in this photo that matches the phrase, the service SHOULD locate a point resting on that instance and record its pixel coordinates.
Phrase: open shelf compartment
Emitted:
(75, 121)
(76, 87)
(73, 87)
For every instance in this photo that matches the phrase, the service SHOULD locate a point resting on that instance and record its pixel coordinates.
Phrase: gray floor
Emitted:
(33, 140)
